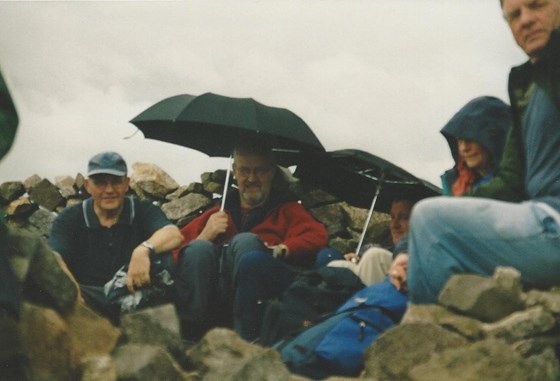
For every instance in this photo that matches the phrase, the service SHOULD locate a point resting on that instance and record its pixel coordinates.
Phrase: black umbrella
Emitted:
(213, 123)
(362, 179)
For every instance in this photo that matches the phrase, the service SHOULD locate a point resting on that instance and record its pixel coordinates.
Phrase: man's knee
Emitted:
(246, 239)
(197, 252)
(253, 261)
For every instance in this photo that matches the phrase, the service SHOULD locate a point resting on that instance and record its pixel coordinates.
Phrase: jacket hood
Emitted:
(484, 120)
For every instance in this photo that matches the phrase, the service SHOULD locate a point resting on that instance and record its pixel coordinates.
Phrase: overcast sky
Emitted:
(380, 75)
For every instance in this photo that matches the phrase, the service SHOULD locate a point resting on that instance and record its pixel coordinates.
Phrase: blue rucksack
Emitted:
(335, 345)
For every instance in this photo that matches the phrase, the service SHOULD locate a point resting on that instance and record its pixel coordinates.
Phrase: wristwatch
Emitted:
(150, 246)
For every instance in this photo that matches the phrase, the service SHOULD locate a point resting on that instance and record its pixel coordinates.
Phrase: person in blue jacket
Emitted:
(476, 135)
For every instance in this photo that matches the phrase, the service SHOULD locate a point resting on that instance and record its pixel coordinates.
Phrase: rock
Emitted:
(66, 185)
(80, 184)
(331, 216)
(219, 176)
(146, 363)
(152, 180)
(550, 300)
(356, 218)
(37, 267)
(42, 221)
(99, 368)
(343, 245)
(10, 191)
(213, 182)
(535, 345)
(313, 197)
(213, 187)
(183, 190)
(522, 324)
(14, 362)
(30, 182)
(403, 347)
(91, 335)
(185, 206)
(222, 355)
(46, 195)
(544, 366)
(45, 279)
(21, 208)
(487, 299)
(488, 360)
(155, 326)
(48, 344)
(436, 314)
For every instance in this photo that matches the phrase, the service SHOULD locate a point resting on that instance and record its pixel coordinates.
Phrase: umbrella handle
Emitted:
(370, 213)
(226, 184)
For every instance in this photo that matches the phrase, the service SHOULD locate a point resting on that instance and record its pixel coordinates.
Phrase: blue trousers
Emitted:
(261, 277)
(205, 281)
(451, 235)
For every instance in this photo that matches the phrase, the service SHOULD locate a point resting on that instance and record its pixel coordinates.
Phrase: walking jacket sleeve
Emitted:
(508, 183)
(304, 235)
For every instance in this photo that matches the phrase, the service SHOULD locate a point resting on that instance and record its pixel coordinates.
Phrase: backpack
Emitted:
(335, 345)
(313, 295)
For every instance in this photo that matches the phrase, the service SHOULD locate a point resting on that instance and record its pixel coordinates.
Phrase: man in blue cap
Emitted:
(109, 230)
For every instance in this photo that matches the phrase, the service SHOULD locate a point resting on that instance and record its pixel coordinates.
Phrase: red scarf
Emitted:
(464, 181)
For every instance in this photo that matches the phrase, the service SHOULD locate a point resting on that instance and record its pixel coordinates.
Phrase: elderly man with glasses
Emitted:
(259, 216)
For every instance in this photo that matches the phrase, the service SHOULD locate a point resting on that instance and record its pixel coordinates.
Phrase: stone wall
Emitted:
(32, 204)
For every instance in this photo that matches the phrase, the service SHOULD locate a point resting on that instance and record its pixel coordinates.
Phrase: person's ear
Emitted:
(87, 185)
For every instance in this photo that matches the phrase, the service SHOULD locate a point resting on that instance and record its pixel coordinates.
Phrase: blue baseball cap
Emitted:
(110, 163)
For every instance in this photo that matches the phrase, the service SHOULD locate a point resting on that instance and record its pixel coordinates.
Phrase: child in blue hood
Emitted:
(476, 136)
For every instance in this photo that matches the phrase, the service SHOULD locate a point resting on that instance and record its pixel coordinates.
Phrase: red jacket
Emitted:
(288, 223)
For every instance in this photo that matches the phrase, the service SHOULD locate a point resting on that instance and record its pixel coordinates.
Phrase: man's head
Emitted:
(254, 169)
(107, 181)
(531, 22)
(401, 207)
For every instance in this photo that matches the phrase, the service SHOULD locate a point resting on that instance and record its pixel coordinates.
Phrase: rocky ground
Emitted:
(481, 329)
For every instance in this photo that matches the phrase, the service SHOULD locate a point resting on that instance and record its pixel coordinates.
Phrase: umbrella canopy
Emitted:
(354, 176)
(212, 123)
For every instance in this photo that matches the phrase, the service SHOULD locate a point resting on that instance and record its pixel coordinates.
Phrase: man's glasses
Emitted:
(257, 171)
(103, 181)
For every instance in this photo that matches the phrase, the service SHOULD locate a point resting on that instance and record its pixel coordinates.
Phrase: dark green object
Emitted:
(8, 119)
(10, 299)
(354, 176)
(213, 123)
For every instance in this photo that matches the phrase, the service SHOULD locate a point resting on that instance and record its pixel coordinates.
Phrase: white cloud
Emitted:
(383, 76)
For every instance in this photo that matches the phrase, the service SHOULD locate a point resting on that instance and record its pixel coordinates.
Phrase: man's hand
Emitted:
(216, 225)
(138, 269)
(352, 257)
(398, 271)
(279, 251)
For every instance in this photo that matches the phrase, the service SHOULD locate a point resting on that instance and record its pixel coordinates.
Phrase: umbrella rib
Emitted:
(370, 212)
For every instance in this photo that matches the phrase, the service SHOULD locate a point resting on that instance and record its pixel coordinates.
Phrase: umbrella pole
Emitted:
(370, 213)
(226, 184)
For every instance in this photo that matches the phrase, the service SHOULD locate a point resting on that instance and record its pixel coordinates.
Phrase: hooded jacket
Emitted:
(484, 120)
